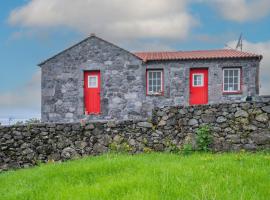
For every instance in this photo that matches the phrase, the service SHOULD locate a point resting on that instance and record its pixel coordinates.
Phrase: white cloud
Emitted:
(262, 48)
(242, 10)
(157, 45)
(114, 19)
(25, 97)
(220, 38)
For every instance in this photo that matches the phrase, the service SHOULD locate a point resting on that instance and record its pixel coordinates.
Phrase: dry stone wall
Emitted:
(233, 126)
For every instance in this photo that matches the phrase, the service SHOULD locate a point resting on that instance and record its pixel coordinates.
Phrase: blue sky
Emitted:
(33, 30)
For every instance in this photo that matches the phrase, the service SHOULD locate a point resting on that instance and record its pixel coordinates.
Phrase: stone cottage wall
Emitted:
(177, 80)
(63, 83)
(233, 126)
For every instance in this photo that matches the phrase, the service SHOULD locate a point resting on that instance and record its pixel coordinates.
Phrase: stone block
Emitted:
(262, 117)
(241, 113)
(145, 124)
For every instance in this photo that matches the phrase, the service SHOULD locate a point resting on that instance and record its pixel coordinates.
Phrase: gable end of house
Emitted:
(92, 36)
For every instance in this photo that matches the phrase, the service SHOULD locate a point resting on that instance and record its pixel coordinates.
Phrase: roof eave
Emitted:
(61, 52)
(259, 57)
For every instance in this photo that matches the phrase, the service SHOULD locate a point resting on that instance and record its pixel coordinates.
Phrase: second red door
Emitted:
(198, 86)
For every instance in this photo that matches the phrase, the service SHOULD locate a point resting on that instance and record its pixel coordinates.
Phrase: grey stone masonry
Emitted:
(233, 127)
(123, 82)
(176, 80)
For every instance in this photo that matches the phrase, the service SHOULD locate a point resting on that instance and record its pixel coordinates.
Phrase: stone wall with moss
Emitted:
(233, 127)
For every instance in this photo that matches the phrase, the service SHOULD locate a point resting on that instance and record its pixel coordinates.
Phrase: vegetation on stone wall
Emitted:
(203, 138)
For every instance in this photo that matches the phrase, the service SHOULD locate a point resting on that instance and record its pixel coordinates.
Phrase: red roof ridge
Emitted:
(195, 54)
(199, 50)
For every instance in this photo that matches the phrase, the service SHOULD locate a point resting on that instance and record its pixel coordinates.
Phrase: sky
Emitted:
(33, 30)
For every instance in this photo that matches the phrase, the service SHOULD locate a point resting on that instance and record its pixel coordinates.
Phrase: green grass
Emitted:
(145, 176)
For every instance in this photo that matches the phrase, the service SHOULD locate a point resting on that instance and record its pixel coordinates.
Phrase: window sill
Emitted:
(228, 93)
(155, 94)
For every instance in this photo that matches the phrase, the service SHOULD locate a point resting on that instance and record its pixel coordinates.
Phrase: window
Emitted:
(198, 80)
(154, 82)
(92, 81)
(231, 79)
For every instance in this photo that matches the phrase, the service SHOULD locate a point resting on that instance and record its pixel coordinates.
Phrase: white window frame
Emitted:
(239, 80)
(92, 86)
(193, 80)
(161, 82)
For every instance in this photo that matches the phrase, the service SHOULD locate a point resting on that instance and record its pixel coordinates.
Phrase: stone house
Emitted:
(95, 80)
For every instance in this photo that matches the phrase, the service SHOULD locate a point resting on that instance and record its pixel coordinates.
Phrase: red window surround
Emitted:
(162, 83)
(241, 81)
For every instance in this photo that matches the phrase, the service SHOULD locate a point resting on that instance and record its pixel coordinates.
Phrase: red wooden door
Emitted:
(198, 86)
(92, 92)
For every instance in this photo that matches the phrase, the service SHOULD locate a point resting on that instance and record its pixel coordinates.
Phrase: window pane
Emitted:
(230, 87)
(150, 88)
(200, 81)
(226, 80)
(236, 72)
(155, 88)
(231, 73)
(225, 87)
(159, 75)
(226, 73)
(235, 87)
(235, 79)
(230, 80)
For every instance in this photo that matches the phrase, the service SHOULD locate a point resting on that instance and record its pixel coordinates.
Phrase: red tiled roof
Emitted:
(195, 55)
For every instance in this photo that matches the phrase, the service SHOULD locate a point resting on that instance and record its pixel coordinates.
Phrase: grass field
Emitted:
(145, 176)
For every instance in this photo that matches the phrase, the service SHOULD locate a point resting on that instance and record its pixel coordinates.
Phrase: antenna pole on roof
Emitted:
(240, 43)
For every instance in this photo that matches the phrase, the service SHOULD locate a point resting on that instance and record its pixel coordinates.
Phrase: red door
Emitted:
(198, 86)
(92, 92)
